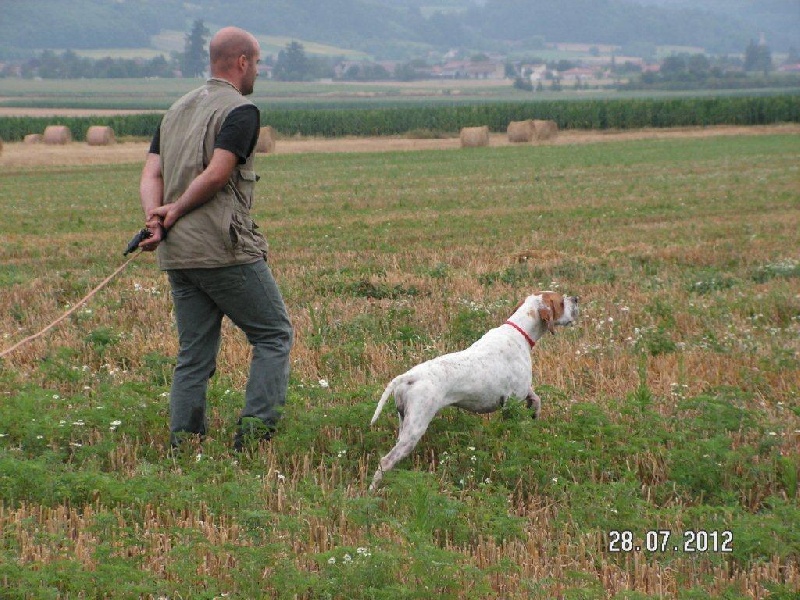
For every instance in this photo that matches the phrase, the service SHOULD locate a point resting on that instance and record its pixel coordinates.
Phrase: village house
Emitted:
(534, 72)
(465, 69)
(579, 74)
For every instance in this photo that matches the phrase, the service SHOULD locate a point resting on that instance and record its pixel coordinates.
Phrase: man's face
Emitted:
(249, 79)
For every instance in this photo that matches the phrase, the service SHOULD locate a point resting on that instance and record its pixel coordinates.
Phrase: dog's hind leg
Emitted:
(411, 432)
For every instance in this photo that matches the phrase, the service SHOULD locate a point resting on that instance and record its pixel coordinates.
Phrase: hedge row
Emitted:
(582, 114)
(14, 129)
(569, 114)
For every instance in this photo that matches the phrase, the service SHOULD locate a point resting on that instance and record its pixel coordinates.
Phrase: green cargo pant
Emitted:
(248, 296)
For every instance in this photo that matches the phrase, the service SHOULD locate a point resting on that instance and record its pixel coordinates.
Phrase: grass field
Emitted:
(670, 418)
(157, 94)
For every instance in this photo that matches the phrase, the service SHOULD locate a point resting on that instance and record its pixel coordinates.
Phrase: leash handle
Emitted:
(83, 301)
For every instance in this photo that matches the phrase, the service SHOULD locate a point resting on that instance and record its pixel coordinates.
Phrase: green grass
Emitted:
(671, 406)
(159, 94)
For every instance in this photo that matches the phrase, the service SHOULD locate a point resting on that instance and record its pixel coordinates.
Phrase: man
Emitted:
(196, 191)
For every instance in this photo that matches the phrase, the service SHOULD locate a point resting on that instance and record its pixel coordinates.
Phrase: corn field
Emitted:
(378, 121)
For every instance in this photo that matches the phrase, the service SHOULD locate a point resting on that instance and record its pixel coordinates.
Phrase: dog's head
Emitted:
(554, 309)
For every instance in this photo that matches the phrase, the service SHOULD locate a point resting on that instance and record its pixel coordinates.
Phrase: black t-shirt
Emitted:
(239, 132)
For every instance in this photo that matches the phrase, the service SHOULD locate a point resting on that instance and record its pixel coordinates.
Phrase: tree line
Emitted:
(294, 64)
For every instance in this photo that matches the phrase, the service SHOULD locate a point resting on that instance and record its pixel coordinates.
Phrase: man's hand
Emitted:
(155, 226)
(165, 216)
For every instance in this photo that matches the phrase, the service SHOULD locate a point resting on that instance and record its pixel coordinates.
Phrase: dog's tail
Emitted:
(386, 393)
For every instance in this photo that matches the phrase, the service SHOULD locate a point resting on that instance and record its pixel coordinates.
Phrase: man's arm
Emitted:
(151, 194)
(200, 190)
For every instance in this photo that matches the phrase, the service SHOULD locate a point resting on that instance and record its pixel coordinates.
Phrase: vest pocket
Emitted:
(244, 186)
(230, 236)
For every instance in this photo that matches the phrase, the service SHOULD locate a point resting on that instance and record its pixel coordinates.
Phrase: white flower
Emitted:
(281, 477)
(199, 457)
(348, 558)
(323, 383)
(332, 560)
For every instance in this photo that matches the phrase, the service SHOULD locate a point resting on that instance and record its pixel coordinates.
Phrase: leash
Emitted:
(83, 301)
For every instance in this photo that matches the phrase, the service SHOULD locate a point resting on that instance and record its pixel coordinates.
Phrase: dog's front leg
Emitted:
(534, 402)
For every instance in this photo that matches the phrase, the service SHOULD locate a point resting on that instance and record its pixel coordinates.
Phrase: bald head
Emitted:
(235, 54)
(227, 46)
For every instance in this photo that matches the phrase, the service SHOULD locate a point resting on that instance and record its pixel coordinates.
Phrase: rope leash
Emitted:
(85, 299)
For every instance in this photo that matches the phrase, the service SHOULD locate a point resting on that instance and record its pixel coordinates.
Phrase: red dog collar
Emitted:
(522, 331)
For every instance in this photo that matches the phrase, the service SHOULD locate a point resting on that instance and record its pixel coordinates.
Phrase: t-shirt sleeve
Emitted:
(155, 143)
(239, 132)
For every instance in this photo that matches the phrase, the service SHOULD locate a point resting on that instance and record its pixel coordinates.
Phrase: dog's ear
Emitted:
(547, 314)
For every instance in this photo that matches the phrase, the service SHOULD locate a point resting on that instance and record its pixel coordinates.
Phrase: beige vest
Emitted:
(220, 232)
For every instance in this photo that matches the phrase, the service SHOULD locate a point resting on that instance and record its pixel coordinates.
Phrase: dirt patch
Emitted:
(19, 154)
(13, 111)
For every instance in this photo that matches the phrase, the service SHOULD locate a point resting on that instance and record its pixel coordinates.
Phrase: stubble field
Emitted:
(666, 461)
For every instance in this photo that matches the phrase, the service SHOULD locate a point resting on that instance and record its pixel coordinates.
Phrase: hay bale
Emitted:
(57, 134)
(472, 137)
(100, 135)
(545, 130)
(266, 140)
(521, 131)
(33, 138)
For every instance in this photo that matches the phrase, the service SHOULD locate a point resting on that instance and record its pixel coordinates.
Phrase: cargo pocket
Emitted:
(245, 185)
(230, 236)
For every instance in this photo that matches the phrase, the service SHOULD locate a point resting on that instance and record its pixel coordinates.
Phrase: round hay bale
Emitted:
(100, 135)
(266, 140)
(33, 138)
(57, 134)
(545, 130)
(472, 137)
(521, 131)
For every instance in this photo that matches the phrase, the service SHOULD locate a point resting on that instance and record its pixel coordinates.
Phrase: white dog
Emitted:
(479, 379)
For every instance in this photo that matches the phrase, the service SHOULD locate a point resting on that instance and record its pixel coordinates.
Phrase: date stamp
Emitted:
(663, 540)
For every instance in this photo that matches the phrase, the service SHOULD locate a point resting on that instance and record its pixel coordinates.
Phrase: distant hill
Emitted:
(405, 28)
